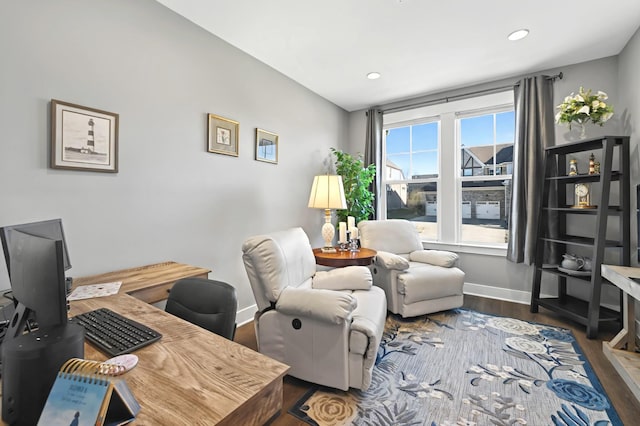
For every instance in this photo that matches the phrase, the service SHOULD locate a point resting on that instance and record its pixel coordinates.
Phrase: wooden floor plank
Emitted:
(625, 403)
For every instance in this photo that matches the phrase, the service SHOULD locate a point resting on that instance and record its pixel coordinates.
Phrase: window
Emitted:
(486, 152)
(411, 174)
(448, 169)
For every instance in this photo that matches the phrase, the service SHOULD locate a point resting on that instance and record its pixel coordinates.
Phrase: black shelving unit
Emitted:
(557, 181)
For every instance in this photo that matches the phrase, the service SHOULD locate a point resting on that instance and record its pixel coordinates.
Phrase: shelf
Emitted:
(553, 269)
(582, 178)
(585, 145)
(612, 210)
(580, 241)
(612, 150)
(577, 309)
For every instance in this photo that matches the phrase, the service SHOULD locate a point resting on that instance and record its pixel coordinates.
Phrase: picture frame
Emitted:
(83, 138)
(222, 135)
(266, 146)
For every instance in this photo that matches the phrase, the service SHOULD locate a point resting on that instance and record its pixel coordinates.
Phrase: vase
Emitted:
(583, 131)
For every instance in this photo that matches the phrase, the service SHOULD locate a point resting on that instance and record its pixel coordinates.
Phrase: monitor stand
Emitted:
(30, 363)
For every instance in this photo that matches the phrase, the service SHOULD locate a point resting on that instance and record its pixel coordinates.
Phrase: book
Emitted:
(86, 393)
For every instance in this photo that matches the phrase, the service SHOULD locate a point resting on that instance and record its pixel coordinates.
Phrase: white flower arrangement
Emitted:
(584, 107)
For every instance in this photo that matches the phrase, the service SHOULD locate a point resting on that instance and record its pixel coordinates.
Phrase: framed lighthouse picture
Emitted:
(83, 138)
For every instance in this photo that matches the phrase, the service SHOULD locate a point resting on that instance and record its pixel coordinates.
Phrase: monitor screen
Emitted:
(37, 276)
(51, 229)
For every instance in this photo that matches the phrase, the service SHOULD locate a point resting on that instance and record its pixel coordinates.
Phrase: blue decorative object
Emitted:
(578, 393)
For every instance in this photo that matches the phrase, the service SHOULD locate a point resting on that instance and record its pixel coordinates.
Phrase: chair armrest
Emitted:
(325, 305)
(391, 261)
(446, 259)
(347, 278)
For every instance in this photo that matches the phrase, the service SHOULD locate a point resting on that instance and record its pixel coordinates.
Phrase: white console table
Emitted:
(621, 351)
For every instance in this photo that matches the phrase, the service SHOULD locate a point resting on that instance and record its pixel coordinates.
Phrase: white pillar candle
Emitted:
(343, 232)
(354, 233)
(351, 222)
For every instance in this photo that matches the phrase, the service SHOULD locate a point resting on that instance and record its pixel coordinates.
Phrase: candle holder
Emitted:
(353, 245)
(344, 245)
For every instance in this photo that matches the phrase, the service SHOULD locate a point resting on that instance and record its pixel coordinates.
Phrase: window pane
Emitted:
(424, 165)
(398, 140)
(397, 166)
(415, 202)
(485, 211)
(412, 151)
(505, 127)
(425, 137)
(476, 131)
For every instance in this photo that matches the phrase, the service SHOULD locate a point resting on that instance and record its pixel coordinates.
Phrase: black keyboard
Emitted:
(114, 334)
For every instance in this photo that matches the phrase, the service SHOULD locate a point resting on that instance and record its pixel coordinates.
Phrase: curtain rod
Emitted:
(462, 96)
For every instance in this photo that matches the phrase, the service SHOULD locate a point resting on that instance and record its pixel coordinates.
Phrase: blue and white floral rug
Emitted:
(466, 368)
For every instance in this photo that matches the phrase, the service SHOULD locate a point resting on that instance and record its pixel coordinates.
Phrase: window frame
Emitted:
(449, 182)
(384, 181)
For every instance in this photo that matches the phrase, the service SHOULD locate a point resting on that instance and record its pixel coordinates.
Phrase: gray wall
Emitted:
(493, 275)
(171, 200)
(629, 110)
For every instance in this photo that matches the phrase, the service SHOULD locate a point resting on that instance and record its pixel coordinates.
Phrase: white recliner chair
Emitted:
(326, 325)
(415, 281)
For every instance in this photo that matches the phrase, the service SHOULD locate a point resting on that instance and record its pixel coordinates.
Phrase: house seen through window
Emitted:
(449, 172)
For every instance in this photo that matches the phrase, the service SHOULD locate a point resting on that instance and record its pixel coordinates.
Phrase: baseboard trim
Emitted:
(245, 315)
(506, 294)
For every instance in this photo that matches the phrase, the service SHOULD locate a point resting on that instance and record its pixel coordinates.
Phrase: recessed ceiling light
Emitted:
(373, 75)
(518, 34)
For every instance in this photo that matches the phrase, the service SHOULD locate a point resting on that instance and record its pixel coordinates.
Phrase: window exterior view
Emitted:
(474, 159)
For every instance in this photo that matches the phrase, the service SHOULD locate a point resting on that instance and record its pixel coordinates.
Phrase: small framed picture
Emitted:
(223, 135)
(266, 146)
(83, 138)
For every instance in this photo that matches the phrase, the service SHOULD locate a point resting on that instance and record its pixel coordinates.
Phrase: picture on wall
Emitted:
(83, 138)
(266, 146)
(223, 135)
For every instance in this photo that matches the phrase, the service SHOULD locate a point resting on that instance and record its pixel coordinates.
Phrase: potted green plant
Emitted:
(356, 179)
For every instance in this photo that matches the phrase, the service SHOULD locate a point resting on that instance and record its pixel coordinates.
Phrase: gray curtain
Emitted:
(534, 132)
(373, 152)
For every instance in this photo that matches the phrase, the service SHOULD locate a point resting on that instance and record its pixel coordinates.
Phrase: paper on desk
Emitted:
(95, 290)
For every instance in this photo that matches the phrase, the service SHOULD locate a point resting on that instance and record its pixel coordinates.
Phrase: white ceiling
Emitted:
(419, 46)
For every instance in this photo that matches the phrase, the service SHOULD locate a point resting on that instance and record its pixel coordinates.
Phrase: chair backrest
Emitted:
(207, 303)
(397, 236)
(276, 261)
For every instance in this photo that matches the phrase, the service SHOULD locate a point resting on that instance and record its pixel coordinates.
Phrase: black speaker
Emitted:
(30, 363)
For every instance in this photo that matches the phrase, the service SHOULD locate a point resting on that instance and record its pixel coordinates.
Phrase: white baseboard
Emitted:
(509, 295)
(245, 315)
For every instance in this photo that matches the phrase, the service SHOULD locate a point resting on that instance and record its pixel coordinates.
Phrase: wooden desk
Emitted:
(626, 362)
(149, 283)
(340, 259)
(192, 376)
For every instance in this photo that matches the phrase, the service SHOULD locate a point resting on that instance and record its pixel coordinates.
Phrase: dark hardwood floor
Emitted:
(626, 405)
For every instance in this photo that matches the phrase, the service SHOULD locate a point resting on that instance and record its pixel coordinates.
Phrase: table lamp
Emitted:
(327, 193)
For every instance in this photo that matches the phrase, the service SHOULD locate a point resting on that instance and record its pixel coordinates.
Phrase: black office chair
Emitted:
(207, 303)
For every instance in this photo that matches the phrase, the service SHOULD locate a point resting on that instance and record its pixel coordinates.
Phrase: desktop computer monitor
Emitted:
(31, 357)
(51, 229)
(37, 279)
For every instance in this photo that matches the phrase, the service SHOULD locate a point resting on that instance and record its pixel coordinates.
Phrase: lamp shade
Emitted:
(327, 192)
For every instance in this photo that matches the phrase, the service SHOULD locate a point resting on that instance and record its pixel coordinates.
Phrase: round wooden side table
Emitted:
(339, 259)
